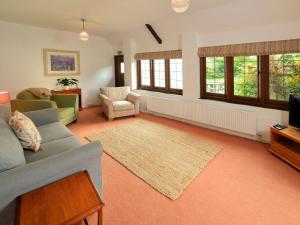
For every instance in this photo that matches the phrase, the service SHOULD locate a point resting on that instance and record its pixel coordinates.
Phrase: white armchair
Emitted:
(119, 102)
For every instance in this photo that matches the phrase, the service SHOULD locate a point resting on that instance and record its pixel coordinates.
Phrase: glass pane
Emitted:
(122, 68)
(215, 75)
(245, 76)
(176, 73)
(159, 73)
(145, 72)
(284, 76)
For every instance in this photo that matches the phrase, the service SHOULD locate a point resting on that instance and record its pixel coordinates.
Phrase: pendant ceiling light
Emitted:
(84, 36)
(180, 6)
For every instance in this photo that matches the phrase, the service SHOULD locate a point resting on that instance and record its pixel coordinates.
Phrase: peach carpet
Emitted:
(243, 185)
(165, 158)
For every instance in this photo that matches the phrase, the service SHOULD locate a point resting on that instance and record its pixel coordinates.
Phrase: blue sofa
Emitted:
(22, 171)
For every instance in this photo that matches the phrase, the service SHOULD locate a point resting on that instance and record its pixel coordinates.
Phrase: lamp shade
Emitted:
(84, 36)
(4, 97)
(180, 6)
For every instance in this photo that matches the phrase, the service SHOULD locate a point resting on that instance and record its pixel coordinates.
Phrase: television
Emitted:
(294, 108)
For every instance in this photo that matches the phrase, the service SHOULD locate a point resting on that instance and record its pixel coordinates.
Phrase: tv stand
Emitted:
(286, 145)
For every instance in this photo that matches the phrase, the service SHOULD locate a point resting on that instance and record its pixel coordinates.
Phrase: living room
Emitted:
(190, 140)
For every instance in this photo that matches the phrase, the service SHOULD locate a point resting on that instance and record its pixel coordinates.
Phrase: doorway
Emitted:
(119, 71)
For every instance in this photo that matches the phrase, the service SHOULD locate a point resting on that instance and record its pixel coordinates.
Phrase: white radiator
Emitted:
(232, 119)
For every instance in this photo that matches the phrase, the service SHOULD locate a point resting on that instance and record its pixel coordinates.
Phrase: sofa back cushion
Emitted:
(11, 151)
(115, 93)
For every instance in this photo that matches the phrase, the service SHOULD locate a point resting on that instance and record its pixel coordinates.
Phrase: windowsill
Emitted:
(250, 102)
(173, 91)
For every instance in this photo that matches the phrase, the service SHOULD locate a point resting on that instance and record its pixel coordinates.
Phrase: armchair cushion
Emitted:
(122, 105)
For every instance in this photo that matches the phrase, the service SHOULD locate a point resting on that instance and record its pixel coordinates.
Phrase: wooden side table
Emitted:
(65, 202)
(286, 145)
(71, 91)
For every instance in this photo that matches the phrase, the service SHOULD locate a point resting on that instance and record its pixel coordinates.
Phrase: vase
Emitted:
(66, 87)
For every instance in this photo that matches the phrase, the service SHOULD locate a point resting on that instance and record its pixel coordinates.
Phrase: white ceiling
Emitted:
(103, 16)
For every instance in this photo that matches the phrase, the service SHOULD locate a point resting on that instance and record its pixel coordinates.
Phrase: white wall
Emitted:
(21, 59)
(201, 27)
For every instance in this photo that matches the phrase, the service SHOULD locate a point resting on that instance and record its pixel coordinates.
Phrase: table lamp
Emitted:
(4, 98)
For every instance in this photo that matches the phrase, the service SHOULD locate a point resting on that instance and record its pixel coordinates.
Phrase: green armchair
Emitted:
(67, 104)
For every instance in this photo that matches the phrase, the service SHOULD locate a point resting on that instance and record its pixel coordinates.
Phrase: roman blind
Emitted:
(256, 48)
(174, 54)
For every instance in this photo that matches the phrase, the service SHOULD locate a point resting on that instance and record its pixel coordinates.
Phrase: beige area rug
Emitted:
(165, 158)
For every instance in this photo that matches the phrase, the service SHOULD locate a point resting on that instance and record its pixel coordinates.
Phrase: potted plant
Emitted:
(66, 83)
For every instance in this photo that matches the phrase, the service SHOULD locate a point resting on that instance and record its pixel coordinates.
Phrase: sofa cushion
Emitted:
(115, 93)
(53, 131)
(26, 131)
(122, 105)
(11, 151)
(52, 148)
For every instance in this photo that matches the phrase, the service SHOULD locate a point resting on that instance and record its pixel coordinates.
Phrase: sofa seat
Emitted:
(53, 131)
(52, 148)
(122, 105)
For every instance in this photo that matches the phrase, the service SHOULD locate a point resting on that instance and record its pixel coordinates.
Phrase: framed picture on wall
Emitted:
(61, 62)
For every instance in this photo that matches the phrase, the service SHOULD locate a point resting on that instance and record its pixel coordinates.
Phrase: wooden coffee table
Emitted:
(65, 202)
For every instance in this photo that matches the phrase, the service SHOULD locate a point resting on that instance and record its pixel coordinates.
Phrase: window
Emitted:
(159, 73)
(122, 67)
(162, 75)
(245, 76)
(265, 81)
(145, 72)
(284, 76)
(215, 75)
(176, 73)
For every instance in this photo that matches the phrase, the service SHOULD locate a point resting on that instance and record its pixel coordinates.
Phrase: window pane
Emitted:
(176, 73)
(215, 75)
(122, 68)
(159, 73)
(145, 72)
(284, 76)
(245, 76)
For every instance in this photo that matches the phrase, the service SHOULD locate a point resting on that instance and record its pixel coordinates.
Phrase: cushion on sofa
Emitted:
(122, 105)
(11, 151)
(53, 131)
(26, 131)
(52, 148)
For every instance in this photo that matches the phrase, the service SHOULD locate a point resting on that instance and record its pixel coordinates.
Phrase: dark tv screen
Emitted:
(294, 106)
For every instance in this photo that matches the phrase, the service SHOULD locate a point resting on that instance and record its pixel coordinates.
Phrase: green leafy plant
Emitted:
(64, 82)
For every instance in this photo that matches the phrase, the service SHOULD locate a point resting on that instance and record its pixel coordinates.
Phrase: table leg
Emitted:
(85, 221)
(100, 220)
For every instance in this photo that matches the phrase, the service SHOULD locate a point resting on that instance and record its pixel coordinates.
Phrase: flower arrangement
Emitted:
(66, 83)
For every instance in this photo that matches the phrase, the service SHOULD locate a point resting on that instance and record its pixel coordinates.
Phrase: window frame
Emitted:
(263, 100)
(152, 87)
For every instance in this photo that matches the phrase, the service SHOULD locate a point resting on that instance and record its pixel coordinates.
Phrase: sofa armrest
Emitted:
(31, 105)
(135, 99)
(107, 105)
(23, 179)
(43, 116)
(66, 100)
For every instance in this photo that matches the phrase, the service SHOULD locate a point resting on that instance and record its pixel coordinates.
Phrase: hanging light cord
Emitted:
(83, 21)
